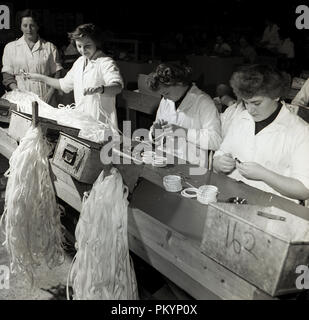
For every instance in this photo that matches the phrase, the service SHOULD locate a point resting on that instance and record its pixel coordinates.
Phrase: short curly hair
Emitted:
(258, 79)
(87, 30)
(169, 74)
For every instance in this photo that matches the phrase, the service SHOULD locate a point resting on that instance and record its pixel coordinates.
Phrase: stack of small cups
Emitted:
(150, 157)
(207, 194)
(172, 183)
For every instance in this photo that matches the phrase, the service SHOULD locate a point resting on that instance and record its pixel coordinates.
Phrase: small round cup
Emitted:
(207, 194)
(172, 183)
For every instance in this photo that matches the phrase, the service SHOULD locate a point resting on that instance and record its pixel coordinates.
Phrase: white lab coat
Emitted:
(100, 70)
(302, 97)
(197, 113)
(228, 116)
(43, 59)
(282, 147)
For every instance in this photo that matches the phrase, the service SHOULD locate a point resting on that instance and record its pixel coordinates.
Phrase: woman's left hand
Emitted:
(169, 130)
(33, 76)
(93, 90)
(252, 170)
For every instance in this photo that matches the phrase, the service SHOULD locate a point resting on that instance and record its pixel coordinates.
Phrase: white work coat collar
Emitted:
(97, 54)
(89, 63)
(22, 42)
(279, 122)
(189, 99)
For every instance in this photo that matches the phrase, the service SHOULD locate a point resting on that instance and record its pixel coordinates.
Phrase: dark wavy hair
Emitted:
(28, 13)
(258, 79)
(87, 30)
(168, 74)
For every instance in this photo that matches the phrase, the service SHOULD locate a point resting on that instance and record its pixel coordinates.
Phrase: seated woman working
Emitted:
(267, 145)
(184, 106)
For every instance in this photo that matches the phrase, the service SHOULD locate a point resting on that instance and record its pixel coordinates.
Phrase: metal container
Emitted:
(21, 122)
(263, 245)
(78, 157)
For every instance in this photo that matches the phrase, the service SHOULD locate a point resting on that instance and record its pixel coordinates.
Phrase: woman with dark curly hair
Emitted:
(184, 106)
(267, 145)
(94, 77)
(30, 53)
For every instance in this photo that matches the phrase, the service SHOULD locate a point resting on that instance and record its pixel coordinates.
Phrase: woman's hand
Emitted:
(159, 124)
(93, 90)
(224, 163)
(34, 76)
(170, 129)
(252, 170)
(13, 86)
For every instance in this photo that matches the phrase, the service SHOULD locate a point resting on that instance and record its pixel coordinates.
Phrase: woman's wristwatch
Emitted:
(102, 88)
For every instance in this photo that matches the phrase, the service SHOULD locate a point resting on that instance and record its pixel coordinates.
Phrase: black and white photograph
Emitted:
(154, 154)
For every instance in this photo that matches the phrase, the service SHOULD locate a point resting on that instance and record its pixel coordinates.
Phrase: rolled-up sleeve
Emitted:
(300, 156)
(54, 61)
(67, 83)
(8, 79)
(111, 73)
(302, 97)
(7, 65)
(228, 143)
(209, 136)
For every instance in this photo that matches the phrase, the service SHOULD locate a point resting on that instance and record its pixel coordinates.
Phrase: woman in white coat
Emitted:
(266, 145)
(30, 53)
(186, 110)
(94, 77)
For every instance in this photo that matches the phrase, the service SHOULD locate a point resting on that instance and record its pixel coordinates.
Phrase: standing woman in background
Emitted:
(30, 53)
(94, 77)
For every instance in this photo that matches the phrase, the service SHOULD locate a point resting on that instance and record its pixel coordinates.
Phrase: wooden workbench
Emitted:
(165, 229)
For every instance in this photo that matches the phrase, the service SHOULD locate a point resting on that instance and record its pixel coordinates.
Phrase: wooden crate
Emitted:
(78, 157)
(165, 230)
(252, 242)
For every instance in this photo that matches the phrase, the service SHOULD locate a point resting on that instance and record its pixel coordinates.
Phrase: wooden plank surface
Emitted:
(227, 187)
(169, 249)
(185, 254)
(165, 267)
(186, 216)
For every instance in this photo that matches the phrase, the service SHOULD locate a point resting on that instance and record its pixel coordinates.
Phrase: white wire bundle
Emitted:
(90, 128)
(102, 269)
(33, 231)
